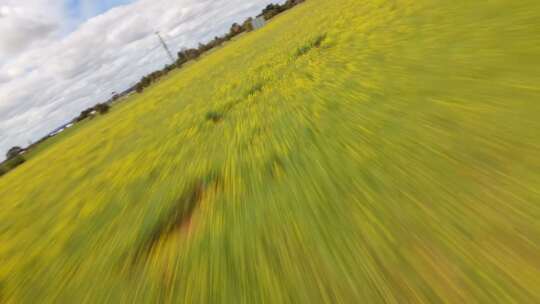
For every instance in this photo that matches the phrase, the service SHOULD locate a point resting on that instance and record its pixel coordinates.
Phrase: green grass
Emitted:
(49, 142)
(396, 160)
(10, 164)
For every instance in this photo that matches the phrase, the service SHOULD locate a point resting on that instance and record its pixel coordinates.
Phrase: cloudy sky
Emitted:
(58, 57)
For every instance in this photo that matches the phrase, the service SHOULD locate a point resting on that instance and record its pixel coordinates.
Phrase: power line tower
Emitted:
(165, 47)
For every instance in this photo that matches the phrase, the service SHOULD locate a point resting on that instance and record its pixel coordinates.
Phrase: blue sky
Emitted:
(82, 10)
(100, 6)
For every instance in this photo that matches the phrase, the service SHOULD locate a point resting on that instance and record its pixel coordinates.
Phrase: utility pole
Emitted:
(165, 47)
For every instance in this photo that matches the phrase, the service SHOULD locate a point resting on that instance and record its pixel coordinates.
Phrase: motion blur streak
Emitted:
(348, 152)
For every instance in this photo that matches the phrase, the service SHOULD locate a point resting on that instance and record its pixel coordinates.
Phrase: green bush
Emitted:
(102, 108)
(11, 164)
(214, 116)
(313, 43)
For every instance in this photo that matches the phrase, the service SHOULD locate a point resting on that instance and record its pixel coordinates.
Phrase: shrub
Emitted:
(102, 108)
(313, 43)
(256, 88)
(15, 162)
(11, 164)
(13, 152)
(214, 116)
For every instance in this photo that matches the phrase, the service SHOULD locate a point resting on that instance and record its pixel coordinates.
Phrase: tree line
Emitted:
(101, 108)
(14, 156)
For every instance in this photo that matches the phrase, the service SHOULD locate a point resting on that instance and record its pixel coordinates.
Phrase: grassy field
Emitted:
(349, 152)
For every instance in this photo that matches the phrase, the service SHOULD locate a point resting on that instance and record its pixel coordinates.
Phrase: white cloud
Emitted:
(25, 23)
(48, 76)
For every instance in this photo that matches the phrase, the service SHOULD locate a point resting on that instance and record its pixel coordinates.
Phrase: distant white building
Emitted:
(258, 22)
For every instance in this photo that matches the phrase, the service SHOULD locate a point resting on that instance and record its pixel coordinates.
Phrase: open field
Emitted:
(349, 152)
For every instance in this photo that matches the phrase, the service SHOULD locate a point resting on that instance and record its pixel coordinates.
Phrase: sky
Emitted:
(59, 57)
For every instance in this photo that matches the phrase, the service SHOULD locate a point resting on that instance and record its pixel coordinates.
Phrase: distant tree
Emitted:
(169, 68)
(192, 54)
(247, 26)
(13, 152)
(115, 96)
(84, 114)
(202, 48)
(182, 57)
(235, 29)
(290, 3)
(102, 108)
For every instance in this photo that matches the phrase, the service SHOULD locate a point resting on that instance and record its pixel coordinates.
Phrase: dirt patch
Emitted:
(179, 219)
